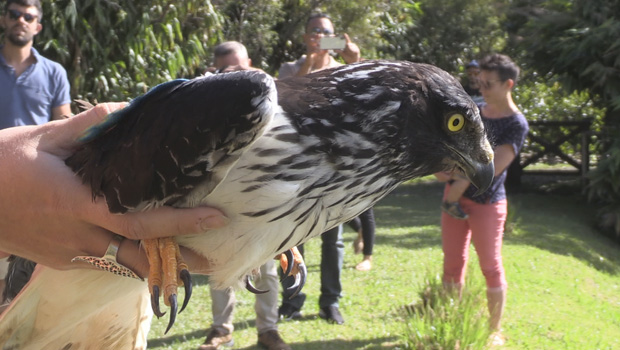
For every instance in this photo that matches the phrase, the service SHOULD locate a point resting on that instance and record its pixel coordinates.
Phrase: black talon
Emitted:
(187, 283)
(300, 280)
(289, 258)
(173, 311)
(155, 302)
(251, 288)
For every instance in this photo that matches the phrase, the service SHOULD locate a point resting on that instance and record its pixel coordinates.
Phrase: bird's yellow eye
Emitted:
(456, 122)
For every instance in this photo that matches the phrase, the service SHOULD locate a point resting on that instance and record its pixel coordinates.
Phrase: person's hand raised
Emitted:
(351, 52)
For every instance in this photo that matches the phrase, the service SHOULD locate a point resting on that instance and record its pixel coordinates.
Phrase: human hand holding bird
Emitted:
(47, 215)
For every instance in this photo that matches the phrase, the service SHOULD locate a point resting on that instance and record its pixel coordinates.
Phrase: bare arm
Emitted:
(504, 155)
(49, 216)
(61, 112)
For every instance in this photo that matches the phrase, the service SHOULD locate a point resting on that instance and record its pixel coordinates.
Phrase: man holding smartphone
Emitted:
(318, 58)
(320, 26)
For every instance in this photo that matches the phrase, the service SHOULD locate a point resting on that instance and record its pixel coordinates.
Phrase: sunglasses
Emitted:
(324, 31)
(15, 15)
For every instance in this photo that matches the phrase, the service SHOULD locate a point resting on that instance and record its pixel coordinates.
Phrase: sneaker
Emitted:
(216, 339)
(454, 210)
(331, 314)
(271, 340)
(288, 311)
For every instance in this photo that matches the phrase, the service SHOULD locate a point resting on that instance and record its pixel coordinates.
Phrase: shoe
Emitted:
(454, 210)
(271, 340)
(331, 314)
(287, 312)
(216, 339)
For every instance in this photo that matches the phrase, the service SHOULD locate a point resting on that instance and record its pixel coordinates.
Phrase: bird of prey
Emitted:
(284, 160)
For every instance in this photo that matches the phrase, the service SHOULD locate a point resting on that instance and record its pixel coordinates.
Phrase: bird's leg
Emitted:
(151, 247)
(167, 270)
(292, 264)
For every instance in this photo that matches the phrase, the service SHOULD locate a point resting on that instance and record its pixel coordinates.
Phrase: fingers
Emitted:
(346, 46)
(81, 122)
(133, 256)
(351, 52)
(163, 222)
(346, 37)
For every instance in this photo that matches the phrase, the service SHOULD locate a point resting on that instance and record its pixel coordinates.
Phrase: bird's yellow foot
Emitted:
(292, 264)
(167, 271)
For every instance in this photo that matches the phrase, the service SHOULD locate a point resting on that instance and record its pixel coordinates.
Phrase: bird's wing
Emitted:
(77, 309)
(181, 135)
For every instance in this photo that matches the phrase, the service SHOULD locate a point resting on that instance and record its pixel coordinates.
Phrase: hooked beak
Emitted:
(479, 173)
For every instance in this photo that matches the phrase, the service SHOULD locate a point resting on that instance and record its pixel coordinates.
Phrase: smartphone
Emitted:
(332, 43)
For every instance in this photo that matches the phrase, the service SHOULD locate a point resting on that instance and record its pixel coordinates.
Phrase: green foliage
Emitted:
(577, 40)
(252, 23)
(117, 50)
(445, 33)
(547, 100)
(359, 19)
(442, 320)
(604, 189)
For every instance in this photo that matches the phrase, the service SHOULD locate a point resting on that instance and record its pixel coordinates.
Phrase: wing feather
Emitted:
(180, 136)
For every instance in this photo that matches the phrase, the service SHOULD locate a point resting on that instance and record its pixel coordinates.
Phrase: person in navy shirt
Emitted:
(486, 213)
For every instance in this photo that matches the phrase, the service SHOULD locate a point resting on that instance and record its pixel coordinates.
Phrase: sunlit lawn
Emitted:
(564, 278)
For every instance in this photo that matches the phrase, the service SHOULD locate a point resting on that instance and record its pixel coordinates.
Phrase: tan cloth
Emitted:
(266, 304)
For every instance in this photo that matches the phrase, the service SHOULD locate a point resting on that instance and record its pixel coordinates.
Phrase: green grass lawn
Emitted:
(564, 281)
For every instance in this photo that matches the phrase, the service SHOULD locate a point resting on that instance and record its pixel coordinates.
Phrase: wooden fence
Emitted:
(565, 131)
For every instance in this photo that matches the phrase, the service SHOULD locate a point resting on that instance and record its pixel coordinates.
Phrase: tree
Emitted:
(115, 50)
(445, 33)
(577, 41)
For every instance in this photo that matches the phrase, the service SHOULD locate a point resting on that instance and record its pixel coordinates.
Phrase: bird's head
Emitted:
(418, 116)
(454, 130)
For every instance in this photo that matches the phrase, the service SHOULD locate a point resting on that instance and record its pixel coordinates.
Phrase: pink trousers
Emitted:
(485, 228)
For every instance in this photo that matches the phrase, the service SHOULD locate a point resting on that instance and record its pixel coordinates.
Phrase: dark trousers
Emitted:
(365, 222)
(332, 256)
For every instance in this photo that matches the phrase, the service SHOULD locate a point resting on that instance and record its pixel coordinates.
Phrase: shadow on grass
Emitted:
(562, 224)
(559, 223)
(175, 339)
(410, 205)
(368, 344)
(338, 344)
